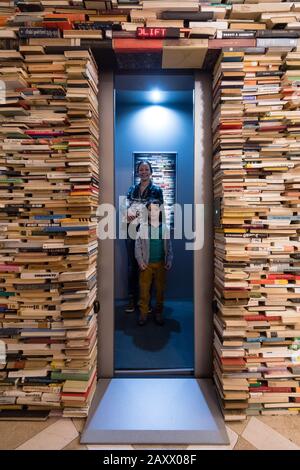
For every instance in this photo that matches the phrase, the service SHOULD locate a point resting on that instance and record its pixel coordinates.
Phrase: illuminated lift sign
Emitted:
(157, 33)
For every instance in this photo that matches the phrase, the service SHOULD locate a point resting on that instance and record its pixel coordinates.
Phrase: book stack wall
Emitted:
(256, 178)
(49, 195)
(8, 36)
(65, 23)
(84, 22)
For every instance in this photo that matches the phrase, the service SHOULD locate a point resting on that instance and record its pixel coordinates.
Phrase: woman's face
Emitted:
(144, 172)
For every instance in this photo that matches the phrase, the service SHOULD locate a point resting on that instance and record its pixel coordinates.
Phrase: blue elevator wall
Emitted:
(153, 128)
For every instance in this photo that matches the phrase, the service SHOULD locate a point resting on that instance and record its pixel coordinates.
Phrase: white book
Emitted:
(282, 405)
(209, 24)
(39, 275)
(28, 373)
(175, 5)
(7, 400)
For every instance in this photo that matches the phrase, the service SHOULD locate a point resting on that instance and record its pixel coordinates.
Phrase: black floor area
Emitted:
(151, 346)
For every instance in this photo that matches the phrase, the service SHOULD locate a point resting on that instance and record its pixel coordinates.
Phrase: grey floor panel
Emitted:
(154, 411)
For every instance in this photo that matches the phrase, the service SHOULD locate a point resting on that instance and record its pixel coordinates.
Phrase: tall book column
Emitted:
(49, 196)
(257, 269)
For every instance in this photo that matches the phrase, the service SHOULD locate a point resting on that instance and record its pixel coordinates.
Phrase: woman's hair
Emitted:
(144, 162)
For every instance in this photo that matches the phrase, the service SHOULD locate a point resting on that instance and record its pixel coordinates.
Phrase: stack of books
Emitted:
(8, 36)
(79, 22)
(257, 269)
(49, 196)
(64, 23)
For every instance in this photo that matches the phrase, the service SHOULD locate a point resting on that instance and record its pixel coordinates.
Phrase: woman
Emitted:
(138, 194)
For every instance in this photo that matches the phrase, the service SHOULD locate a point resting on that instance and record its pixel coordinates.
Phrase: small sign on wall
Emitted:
(157, 33)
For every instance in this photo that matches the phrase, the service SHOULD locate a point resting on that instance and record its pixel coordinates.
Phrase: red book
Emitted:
(281, 276)
(62, 25)
(262, 281)
(67, 16)
(271, 389)
(231, 126)
(127, 45)
(232, 361)
(43, 132)
(261, 318)
(3, 20)
(281, 389)
(259, 389)
(18, 364)
(237, 289)
(24, 104)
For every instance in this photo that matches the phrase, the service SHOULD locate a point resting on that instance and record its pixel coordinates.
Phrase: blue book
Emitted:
(279, 217)
(64, 229)
(275, 339)
(51, 217)
(255, 340)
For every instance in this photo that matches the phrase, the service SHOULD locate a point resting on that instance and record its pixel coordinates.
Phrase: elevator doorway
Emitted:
(149, 407)
(154, 127)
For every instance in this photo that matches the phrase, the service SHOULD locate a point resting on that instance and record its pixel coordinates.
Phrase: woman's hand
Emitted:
(131, 215)
(143, 266)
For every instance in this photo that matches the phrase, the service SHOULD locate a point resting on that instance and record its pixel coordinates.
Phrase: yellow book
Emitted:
(234, 230)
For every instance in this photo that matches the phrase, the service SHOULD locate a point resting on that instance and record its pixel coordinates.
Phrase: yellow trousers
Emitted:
(156, 272)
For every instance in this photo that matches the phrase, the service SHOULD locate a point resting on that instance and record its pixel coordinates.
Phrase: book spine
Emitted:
(9, 44)
(237, 34)
(26, 33)
(275, 73)
(27, 7)
(276, 42)
(90, 43)
(187, 15)
(95, 25)
(277, 33)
